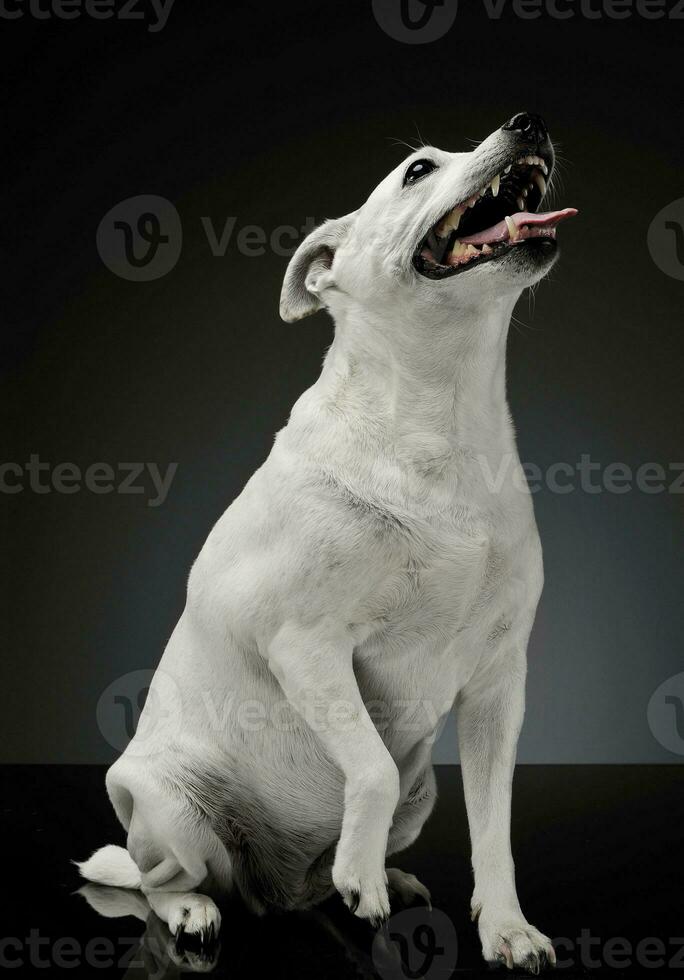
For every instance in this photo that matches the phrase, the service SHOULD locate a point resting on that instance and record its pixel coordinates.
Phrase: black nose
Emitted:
(529, 125)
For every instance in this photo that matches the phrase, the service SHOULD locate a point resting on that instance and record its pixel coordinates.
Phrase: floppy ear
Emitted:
(309, 271)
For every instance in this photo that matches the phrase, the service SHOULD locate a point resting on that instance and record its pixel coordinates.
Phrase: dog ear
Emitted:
(309, 271)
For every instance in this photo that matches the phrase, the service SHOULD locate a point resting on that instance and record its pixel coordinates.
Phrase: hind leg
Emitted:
(174, 847)
(171, 890)
(192, 917)
(406, 827)
(187, 914)
(407, 888)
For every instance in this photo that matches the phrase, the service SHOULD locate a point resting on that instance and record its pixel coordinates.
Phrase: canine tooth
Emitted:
(508, 169)
(545, 169)
(540, 182)
(455, 220)
(513, 232)
(496, 183)
(450, 222)
(521, 203)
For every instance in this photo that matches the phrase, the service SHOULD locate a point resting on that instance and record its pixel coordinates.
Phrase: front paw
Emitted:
(513, 942)
(364, 890)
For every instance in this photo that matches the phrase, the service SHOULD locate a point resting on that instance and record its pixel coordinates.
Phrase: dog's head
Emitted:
(441, 228)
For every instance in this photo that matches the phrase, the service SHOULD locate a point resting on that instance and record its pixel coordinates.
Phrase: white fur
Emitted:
(367, 559)
(111, 865)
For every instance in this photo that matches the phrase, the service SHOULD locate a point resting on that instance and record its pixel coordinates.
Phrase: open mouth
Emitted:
(499, 217)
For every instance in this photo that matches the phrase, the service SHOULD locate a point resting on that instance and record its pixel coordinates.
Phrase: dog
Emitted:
(368, 578)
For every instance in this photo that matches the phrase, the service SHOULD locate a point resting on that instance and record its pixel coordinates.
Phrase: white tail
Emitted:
(111, 865)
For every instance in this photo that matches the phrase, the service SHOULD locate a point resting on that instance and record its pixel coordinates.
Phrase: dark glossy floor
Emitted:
(600, 869)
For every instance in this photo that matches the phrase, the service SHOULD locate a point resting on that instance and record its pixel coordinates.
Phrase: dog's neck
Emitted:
(404, 382)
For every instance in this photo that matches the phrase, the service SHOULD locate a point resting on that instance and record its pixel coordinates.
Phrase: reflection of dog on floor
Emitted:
(382, 565)
(163, 956)
(158, 952)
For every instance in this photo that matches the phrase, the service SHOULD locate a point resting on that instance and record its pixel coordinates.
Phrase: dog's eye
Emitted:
(418, 169)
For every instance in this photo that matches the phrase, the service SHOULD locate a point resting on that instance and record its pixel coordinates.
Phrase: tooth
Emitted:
(508, 169)
(521, 203)
(461, 251)
(450, 222)
(540, 182)
(455, 220)
(512, 229)
(496, 183)
(545, 169)
(486, 248)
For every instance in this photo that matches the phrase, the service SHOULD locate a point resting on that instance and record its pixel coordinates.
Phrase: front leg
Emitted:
(314, 667)
(489, 715)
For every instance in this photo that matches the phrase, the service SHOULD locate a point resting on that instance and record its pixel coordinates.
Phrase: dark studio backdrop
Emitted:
(271, 115)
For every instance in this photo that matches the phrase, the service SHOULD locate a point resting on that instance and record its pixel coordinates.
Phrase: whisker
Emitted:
(396, 141)
(420, 137)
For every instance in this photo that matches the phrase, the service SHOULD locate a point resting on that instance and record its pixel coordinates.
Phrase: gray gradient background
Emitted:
(273, 116)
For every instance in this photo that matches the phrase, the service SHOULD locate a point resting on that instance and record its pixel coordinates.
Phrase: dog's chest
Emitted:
(444, 572)
(457, 587)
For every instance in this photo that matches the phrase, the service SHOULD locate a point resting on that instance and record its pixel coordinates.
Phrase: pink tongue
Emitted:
(499, 232)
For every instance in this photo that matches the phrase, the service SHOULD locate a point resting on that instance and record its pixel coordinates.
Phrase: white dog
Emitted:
(368, 578)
